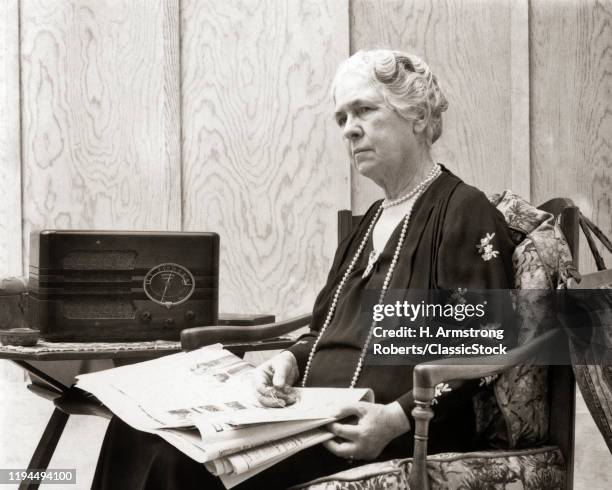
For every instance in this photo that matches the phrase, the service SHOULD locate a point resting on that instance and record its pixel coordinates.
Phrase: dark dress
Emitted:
(440, 252)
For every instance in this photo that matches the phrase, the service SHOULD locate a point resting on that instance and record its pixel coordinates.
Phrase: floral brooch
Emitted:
(439, 390)
(487, 380)
(485, 249)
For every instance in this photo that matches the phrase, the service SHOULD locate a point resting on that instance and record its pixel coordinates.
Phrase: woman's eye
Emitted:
(341, 120)
(363, 110)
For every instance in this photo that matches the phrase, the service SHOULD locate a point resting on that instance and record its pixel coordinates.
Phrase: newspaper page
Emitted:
(173, 391)
(209, 388)
(242, 466)
(203, 402)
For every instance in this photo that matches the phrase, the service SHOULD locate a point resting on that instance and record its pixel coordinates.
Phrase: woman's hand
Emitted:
(274, 380)
(374, 427)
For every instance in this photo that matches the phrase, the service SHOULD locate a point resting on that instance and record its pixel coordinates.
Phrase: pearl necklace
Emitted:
(433, 173)
(417, 191)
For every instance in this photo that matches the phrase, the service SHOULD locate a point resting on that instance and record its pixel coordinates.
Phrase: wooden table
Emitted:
(119, 352)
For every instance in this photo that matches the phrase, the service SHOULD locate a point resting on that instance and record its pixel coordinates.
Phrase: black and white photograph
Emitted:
(307, 244)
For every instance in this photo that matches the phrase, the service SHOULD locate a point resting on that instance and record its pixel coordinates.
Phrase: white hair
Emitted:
(407, 85)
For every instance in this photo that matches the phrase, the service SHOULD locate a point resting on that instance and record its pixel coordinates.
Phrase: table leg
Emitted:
(54, 383)
(46, 446)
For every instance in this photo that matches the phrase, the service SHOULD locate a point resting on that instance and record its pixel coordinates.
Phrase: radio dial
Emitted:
(169, 284)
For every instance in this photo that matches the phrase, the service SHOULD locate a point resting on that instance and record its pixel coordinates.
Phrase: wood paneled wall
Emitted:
(468, 45)
(263, 162)
(100, 114)
(228, 129)
(215, 115)
(10, 148)
(571, 114)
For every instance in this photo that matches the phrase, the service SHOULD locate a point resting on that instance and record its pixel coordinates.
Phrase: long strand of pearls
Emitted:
(332, 307)
(418, 190)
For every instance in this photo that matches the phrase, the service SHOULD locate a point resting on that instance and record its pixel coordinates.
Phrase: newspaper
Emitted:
(239, 467)
(203, 402)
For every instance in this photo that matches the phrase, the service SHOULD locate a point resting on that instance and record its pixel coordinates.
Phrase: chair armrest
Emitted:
(244, 320)
(428, 375)
(193, 338)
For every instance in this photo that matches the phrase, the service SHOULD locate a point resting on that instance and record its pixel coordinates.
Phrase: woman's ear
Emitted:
(419, 125)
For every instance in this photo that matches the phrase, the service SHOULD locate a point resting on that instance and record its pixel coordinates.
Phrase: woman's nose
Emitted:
(352, 129)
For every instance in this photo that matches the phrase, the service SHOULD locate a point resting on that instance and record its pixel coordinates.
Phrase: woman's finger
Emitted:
(349, 410)
(290, 397)
(271, 401)
(279, 379)
(262, 388)
(271, 392)
(262, 378)
(343, 449)
(346, 431)
(277, 398)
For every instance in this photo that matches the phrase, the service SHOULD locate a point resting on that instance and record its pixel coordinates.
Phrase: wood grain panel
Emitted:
(264, 164)
(571, 116)
(10, 158)
(520, 149)
(101, 102)
(467, 45)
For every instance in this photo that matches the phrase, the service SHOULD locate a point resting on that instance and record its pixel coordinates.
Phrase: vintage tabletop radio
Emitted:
(121, 286)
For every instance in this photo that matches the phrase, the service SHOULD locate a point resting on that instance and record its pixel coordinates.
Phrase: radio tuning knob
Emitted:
(145, 316)
(190, 315)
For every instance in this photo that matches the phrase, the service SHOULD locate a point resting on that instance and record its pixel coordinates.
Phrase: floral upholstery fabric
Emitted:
(522, 396)
(541, 469)
(541, 263)
(542, 257)
(387, 475)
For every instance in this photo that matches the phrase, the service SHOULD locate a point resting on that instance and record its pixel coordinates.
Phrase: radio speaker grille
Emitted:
(103, 260)
(101, 307)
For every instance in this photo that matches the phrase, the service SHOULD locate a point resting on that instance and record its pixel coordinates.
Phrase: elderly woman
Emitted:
(426, 234)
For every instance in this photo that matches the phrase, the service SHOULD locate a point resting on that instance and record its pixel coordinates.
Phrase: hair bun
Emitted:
(438, 101)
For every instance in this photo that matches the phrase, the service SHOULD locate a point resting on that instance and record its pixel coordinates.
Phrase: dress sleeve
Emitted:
(476, 247)
(474, 252)
(301, 349)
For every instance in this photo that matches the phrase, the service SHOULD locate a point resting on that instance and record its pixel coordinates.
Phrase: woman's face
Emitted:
(381, 144)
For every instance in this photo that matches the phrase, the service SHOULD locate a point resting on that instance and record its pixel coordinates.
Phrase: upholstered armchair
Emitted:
(527, 409)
